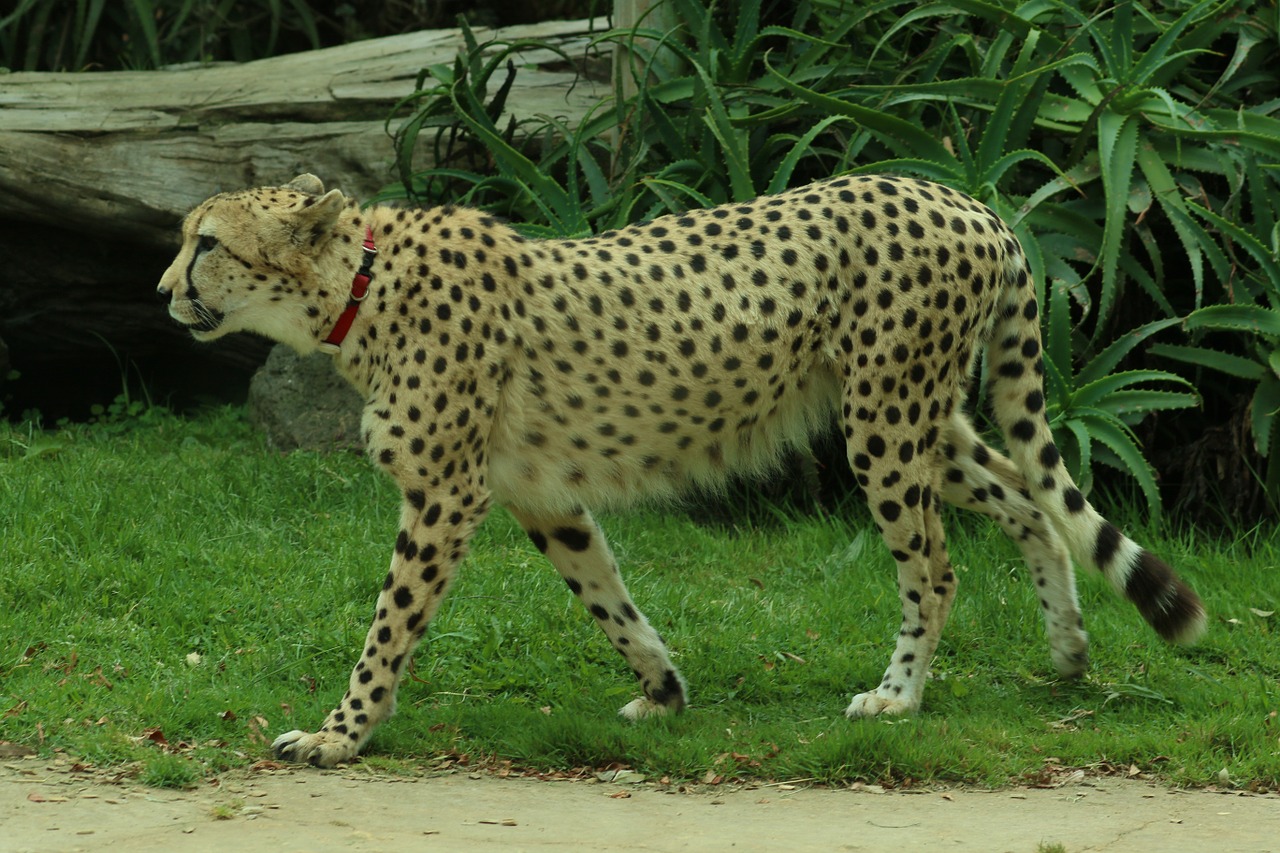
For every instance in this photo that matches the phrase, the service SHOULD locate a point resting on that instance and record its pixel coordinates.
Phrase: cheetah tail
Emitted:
(1015, 371)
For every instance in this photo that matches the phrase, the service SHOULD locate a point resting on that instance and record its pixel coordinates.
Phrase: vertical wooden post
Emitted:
(650, 14)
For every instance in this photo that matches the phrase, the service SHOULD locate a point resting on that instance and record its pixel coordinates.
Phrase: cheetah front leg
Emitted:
(576, 546)
(433, 539)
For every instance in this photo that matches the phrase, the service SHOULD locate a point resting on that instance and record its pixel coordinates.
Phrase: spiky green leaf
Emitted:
(1223, 362)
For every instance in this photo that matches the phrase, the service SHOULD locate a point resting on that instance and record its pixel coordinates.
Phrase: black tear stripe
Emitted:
(191, 285)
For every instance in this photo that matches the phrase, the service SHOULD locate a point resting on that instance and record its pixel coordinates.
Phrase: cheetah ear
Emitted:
(307, 184)
(313, 223)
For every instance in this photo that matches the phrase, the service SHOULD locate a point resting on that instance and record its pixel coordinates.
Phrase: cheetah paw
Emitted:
(320, 749)
(638, 709)
(1071, 655)
(872, 704)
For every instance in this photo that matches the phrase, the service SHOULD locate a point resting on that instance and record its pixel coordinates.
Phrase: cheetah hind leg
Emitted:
(576, 546)
(926, 588)
(978, 478)
(912, 529)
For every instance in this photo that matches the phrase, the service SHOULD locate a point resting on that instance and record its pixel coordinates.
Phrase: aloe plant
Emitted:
(1249, 323)
(1092, 410)
(1261, 367)
(683, 139)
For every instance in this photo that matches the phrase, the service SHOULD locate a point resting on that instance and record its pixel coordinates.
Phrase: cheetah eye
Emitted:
(206, 243)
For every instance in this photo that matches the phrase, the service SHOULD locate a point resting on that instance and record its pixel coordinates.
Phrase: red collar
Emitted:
(359, 290)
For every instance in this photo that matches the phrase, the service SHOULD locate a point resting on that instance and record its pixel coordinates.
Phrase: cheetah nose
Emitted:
(162, 293)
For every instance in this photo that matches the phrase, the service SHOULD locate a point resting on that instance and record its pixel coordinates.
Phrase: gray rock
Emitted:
(302, 403)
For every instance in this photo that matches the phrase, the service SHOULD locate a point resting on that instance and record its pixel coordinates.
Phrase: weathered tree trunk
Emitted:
(96, 171)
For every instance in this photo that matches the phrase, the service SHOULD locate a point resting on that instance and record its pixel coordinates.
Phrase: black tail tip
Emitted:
(1165, 600)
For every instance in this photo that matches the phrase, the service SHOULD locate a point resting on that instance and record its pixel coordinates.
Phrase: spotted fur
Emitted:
(553, 376)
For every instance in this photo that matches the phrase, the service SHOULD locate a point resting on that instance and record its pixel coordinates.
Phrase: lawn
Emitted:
(173, 595)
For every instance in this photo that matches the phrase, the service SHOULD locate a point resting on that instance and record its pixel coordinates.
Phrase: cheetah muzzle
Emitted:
(560, 375)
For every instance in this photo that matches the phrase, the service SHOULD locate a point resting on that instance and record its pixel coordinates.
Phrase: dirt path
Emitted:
(44, 806)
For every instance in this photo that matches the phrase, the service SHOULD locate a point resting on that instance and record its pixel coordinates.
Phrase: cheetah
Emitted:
(555, 377)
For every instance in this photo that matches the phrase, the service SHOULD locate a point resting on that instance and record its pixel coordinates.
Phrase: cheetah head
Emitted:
(263, 261)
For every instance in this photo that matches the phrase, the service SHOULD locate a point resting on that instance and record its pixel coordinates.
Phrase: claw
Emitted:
(873, 705)
(319, 749)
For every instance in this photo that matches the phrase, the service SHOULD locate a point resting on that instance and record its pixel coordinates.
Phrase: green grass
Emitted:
(126, 549)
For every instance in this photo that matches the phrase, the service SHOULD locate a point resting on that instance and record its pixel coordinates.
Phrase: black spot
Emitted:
(1023, 430)
(670, 691)
(1049, 455)
(1108, 542)
(573, 538)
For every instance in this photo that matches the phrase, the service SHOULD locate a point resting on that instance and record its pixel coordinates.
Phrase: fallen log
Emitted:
(128, 152)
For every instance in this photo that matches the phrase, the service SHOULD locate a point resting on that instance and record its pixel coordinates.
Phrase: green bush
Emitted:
(74, 35)
(1131, 149)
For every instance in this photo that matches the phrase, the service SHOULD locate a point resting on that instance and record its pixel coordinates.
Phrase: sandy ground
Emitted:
(48, 806)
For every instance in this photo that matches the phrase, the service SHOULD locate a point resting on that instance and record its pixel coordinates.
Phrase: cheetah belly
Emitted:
(563, 448)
